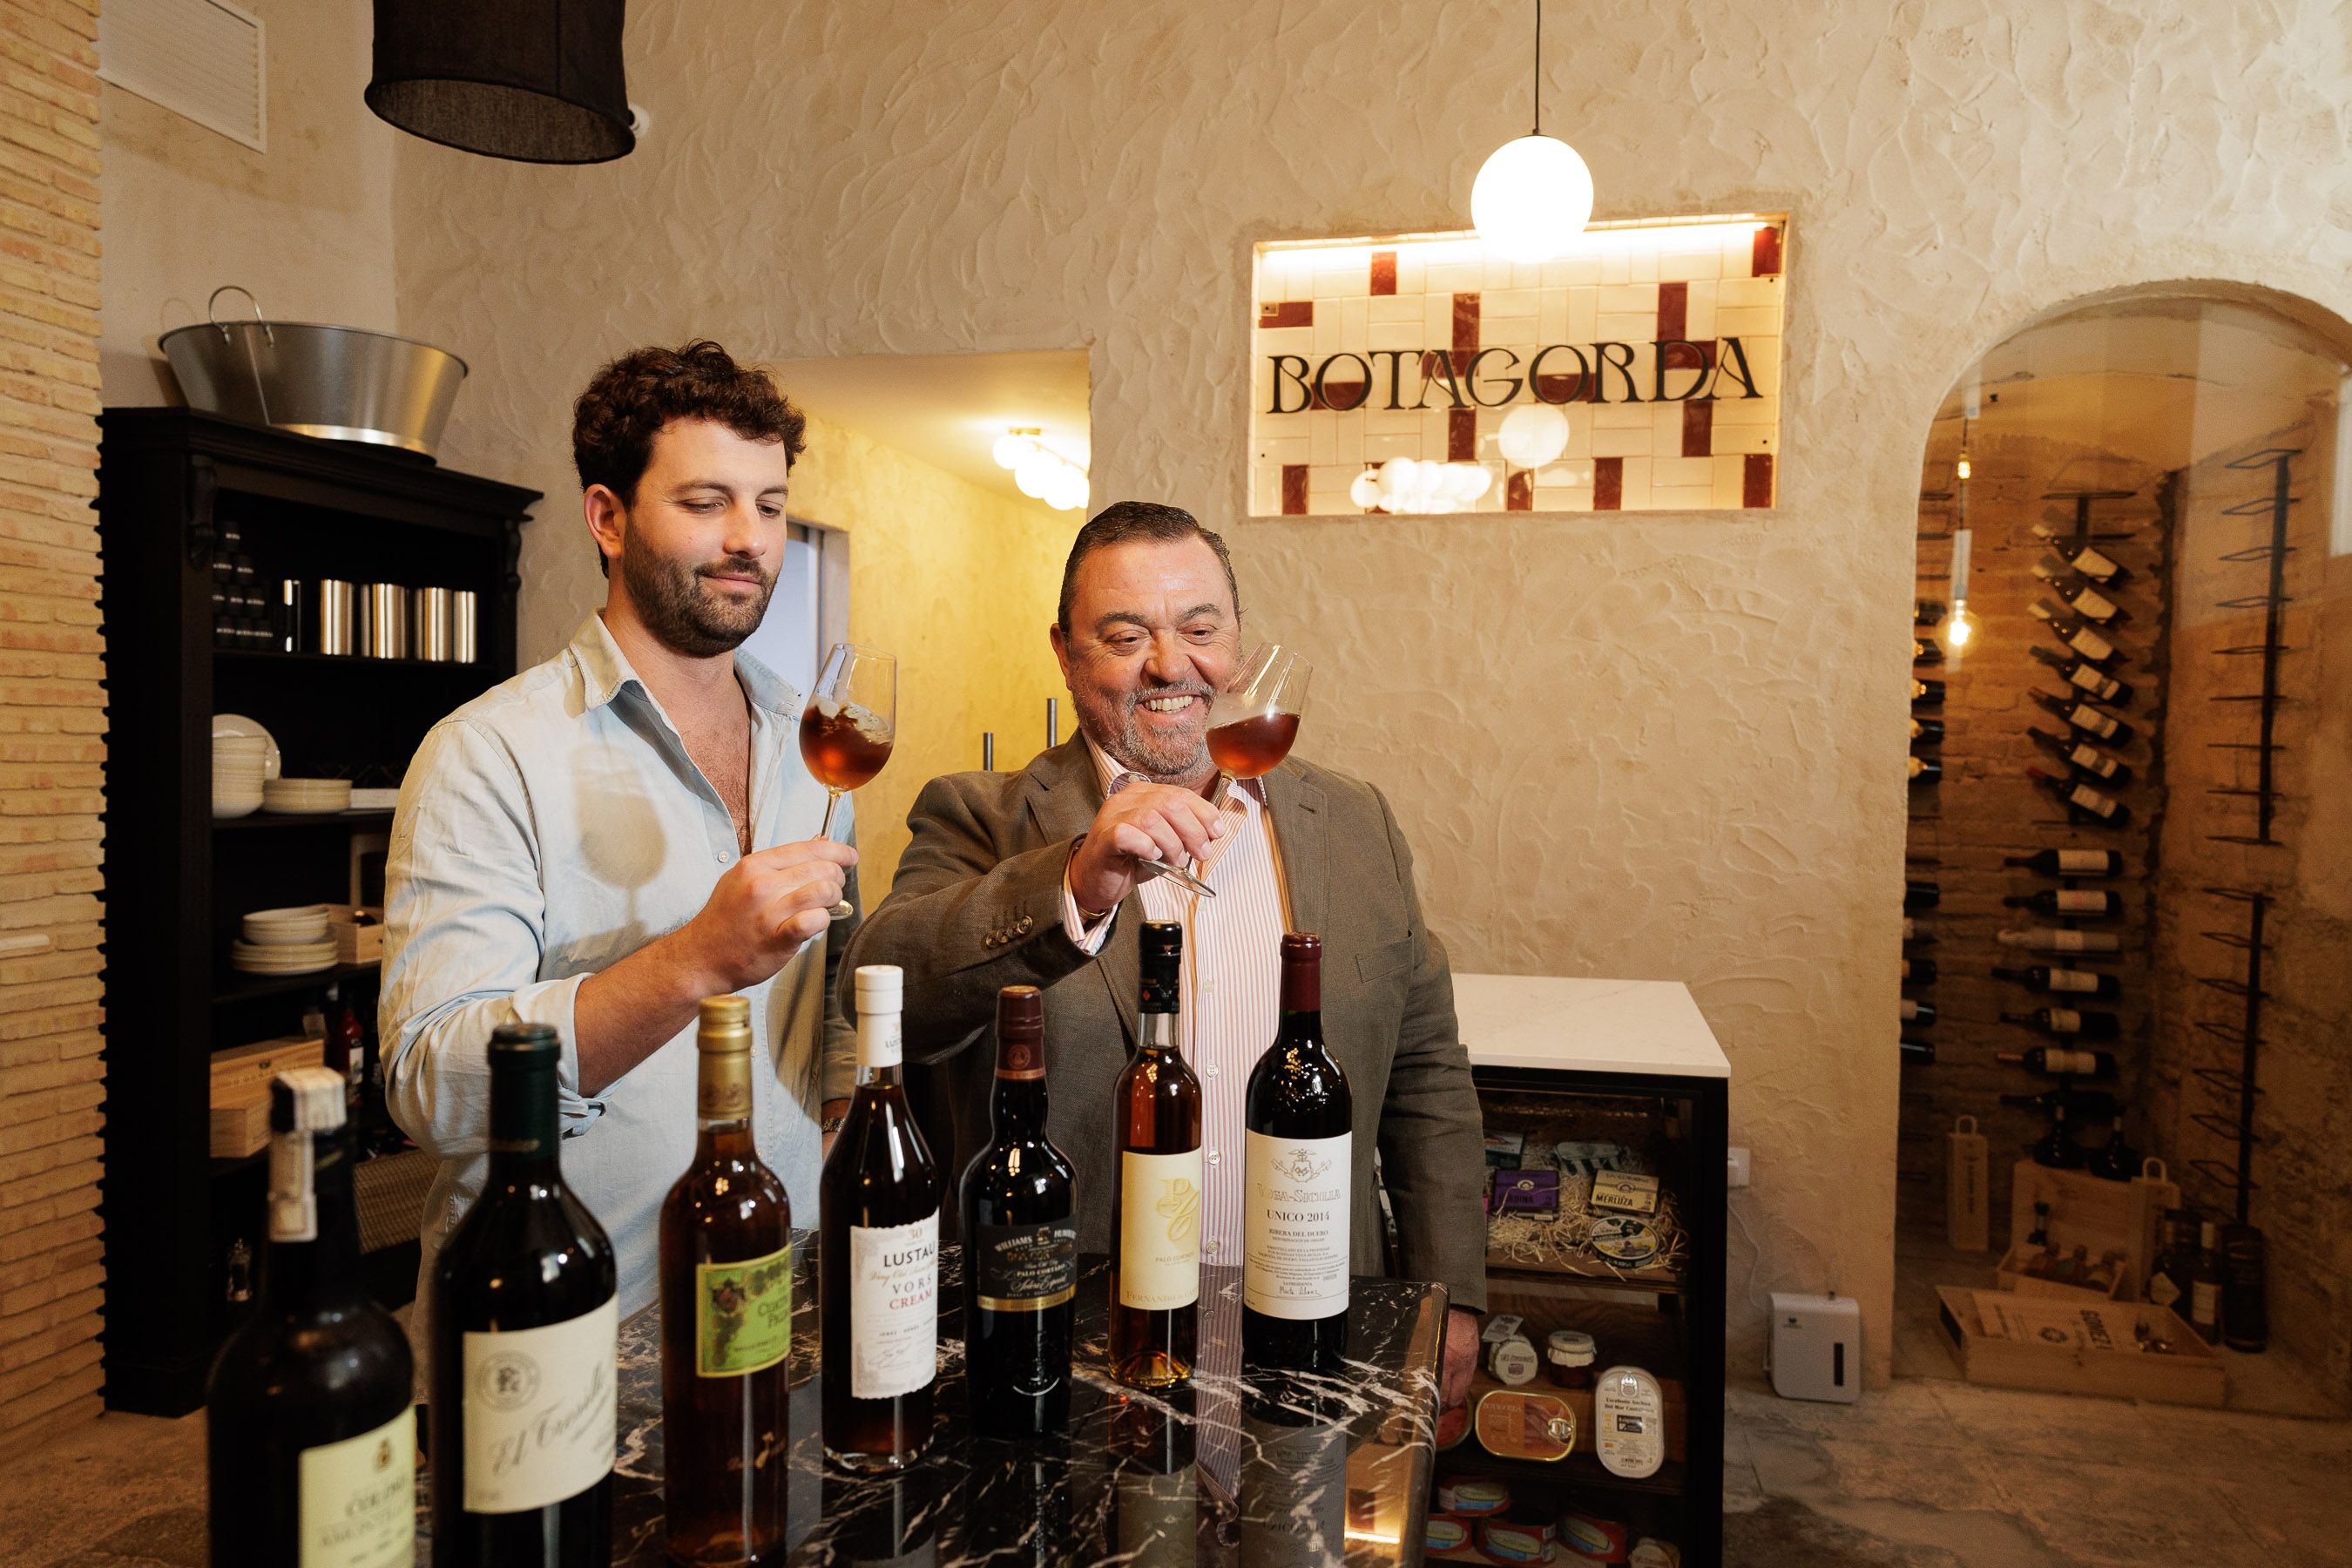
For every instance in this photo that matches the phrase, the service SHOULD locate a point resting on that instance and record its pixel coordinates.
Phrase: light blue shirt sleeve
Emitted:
(465, 942)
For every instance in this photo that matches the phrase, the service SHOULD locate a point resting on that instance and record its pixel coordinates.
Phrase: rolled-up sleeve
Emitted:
(465, 939)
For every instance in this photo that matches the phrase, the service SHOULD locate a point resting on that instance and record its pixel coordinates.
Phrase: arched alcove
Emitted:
(2194, 717)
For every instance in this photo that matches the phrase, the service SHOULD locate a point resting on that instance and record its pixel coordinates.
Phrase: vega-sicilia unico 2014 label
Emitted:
(1160, 1230)
(540, 1416)
(1296, 1205)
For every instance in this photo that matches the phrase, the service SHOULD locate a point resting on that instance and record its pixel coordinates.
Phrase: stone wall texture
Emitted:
(1664, 746)
(52, 720)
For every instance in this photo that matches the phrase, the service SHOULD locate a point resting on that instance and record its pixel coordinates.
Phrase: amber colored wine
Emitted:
(1021, 1242)
(846, 748)
(1155, 1272)
(726, 1320)
(878, 1225)
(1300, 1119)
(1254, 747)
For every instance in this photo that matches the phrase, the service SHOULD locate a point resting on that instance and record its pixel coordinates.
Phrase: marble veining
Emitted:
(1256, 1467)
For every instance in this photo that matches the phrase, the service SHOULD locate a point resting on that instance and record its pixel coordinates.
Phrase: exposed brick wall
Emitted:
(1986, 807)
(52, 719)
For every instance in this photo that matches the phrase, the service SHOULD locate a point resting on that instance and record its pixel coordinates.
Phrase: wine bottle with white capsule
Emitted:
(2068, 1022)
(2083, 716)
(2080, 597)
(2077, 904)
(2096, 806)
(2064, 981)
(2050, 938)
(2062, 1061)
(2081, 757)
(2076, 632)
(2098, 567)
(2085, 674)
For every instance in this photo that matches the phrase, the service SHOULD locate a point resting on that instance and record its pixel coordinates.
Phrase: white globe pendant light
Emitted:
(1533, 195)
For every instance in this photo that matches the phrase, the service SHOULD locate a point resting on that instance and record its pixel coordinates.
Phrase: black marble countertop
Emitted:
(1254, 1469)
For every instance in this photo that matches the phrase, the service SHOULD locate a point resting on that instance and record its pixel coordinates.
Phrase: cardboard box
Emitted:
(2010, 1340)
(2085, 1211)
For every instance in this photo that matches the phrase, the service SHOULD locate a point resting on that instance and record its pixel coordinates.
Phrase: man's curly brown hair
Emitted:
(628, 402)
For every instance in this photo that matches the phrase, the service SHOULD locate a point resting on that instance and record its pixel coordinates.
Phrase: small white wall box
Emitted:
(1815, 1351)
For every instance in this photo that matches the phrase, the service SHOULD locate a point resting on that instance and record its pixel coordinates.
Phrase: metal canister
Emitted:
(428, 623)
(463, 647)
(335, 629)
(384, 621)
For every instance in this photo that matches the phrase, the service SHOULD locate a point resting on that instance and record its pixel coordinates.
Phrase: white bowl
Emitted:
(235, 727)
(294, 915)
(286, 936)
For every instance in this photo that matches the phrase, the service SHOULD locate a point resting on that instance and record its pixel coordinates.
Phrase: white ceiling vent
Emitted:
(201, 59)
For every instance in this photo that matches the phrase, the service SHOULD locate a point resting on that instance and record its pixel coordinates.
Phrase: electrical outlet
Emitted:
(1737, 1167)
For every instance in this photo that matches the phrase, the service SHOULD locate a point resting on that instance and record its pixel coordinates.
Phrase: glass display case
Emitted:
(1605, 1111)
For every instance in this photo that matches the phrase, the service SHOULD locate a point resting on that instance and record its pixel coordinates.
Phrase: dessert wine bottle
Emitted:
(726, 1318)
(1155, 1276)
(312, 1451)
(1021, 1242)
(1300, 1191)
(879, 1232)
(524, 1326)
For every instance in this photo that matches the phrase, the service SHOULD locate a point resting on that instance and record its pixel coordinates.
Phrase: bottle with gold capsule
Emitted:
(1155, 1277)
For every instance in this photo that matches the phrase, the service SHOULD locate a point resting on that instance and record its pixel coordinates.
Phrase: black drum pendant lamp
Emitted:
(535, 81)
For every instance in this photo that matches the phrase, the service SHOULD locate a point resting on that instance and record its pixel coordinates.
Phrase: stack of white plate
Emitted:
(307, 797)
(284, 941)
(237, 781)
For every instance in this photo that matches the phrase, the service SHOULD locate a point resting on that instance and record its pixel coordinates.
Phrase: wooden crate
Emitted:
(2085, 1211)
(248, 1069)
(2013, 1341)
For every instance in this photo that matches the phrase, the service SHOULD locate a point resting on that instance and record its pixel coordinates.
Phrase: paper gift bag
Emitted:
(2153, 1191)
(1968, 1203)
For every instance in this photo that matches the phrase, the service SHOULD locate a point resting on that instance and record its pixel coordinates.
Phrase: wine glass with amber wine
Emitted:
(849, 726)
(1253, 722)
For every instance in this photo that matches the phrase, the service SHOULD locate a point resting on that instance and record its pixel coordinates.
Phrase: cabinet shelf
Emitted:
(371, 816)
(267, 656)
(233, 985)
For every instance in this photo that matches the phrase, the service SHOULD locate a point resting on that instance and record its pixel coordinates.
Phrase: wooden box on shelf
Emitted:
(2084, 1346)
(238, 1121)
(354, 943)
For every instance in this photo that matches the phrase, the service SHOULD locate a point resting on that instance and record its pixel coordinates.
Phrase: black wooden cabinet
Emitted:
(170, 482)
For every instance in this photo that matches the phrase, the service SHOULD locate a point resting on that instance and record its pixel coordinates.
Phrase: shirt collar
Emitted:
(607, 670)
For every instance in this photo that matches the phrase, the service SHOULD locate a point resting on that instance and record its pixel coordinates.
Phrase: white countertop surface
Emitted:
(1586, 1026)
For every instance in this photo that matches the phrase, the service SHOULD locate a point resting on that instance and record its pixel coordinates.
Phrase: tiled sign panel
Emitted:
(1423, 348)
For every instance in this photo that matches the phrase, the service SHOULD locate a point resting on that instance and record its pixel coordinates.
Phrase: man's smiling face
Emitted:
(1153, 635)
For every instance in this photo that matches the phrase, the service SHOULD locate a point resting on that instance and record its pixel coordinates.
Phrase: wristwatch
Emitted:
(832, 1124)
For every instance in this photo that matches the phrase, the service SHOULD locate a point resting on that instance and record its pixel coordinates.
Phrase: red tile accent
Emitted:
(1383, 271)
(1608, 484)
(1766, 254)
(1461, 435)
(1756, 481)
(1465, 329)
(1346, 396)
(1519, 490)
(1674, 309)
(1286, 313)
(1294, 490)
(1698, 429)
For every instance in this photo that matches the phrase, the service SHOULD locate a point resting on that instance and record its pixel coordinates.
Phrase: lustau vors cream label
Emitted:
(540, 1417)
(359, 1499)
(894, 1307)
(742, 1315)
(1025, 1267)
(1294, 1220)
(1158, 1230)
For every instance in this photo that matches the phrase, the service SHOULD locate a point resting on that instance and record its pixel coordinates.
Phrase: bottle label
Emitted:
(2092, 563)
(2090, 719)
(2089, 679)
(359, 1499)
(2068, 941)
(2091, 645)
(742, 1315)
(2083, 862)
(1158, 1230)
(2204, 1302)
(1295, 1257)
(2090, 800)
(540, 1419)
(1025, 1267)
(2161, 1289)
(2081, 901)
(2066, 1021)
(2073, 980)
(893, 1308)
(2064, 1063)
(2085, 758)
(2095, 605)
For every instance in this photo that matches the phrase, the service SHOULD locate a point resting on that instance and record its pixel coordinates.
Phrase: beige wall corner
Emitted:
(52, 724)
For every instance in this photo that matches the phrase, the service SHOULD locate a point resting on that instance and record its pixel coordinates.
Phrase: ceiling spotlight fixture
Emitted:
(1533, 195)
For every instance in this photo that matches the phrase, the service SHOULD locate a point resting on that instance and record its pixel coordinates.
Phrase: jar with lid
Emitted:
(1568, 1356)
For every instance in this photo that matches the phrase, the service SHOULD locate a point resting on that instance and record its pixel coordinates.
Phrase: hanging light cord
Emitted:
(1538, 129)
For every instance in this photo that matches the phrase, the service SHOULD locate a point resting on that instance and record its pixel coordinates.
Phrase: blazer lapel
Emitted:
(1297, 809)
(1064, 793)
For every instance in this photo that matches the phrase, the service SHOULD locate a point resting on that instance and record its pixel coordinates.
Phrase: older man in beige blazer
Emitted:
(1037, 877)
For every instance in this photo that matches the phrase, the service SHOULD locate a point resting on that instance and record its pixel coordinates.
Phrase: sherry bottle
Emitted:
(879, 1222)
(2083, 673)
(2104, 810)
(2083, 757)
(2081, 598)
(1021, 1243)
(726, 1318)
(2099, 568)
(2067, 1022)
(2069, 862)
(1300, 1189)
(2060, 1061)
(2074, 632)
(2075, 903)
(1155, 1275)
(2086, 718)
(312, 1437)
(2064, 981)
(524, 1325)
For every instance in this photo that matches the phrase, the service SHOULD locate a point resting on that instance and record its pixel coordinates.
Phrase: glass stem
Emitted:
(831, 801)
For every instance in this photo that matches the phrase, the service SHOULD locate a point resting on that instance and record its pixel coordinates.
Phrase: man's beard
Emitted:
(688, 619)
(1163, 759)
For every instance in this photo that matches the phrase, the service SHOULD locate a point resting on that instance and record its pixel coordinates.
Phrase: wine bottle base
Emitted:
(1154, 1375)
(867, 1464)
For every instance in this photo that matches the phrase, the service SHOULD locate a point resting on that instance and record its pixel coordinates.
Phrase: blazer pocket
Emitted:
(1385, 959)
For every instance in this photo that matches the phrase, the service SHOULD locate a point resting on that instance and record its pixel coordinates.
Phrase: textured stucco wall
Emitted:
(1661, 746)
(307, 226)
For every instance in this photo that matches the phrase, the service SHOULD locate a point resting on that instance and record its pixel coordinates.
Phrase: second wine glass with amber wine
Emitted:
(849, 726)
(1254, 722)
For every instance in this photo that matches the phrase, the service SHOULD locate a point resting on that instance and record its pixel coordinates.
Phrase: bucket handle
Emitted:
(212, 313)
